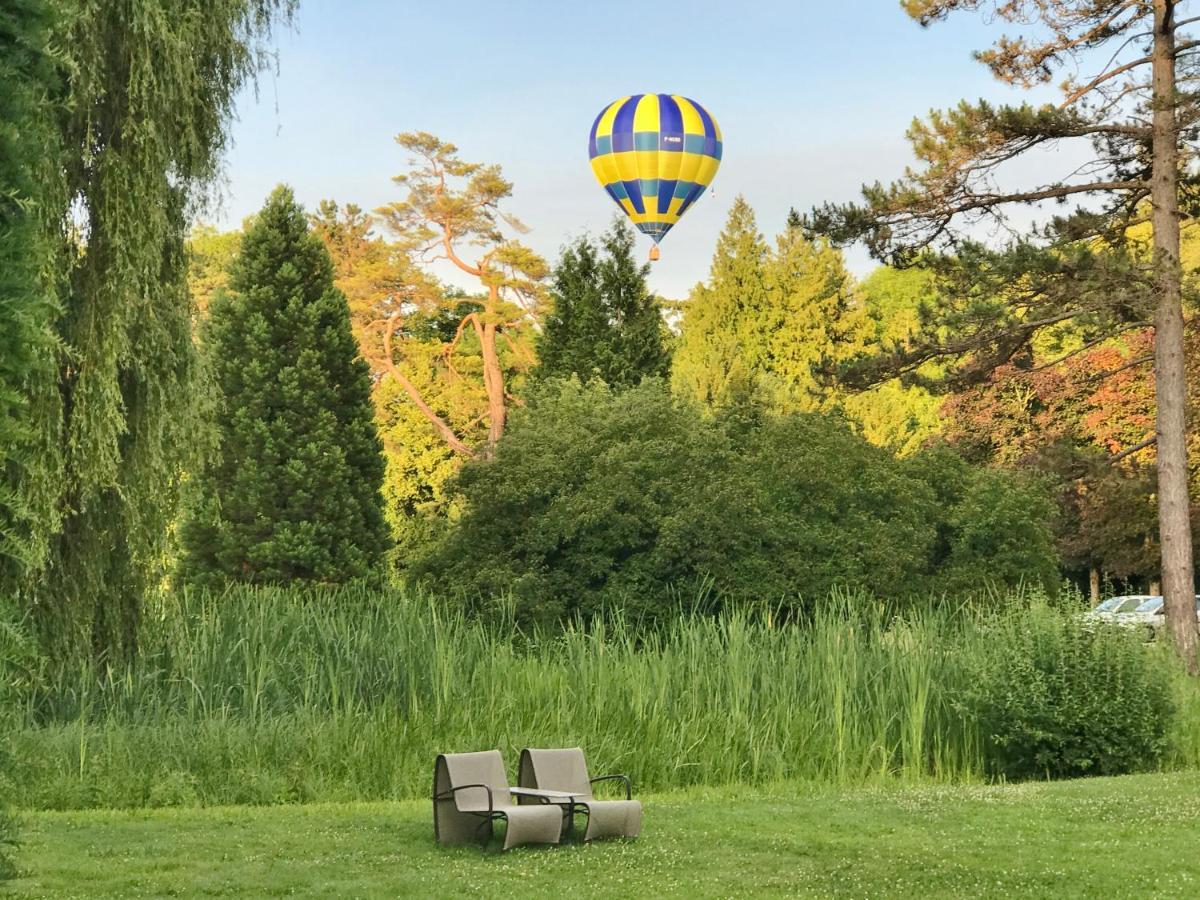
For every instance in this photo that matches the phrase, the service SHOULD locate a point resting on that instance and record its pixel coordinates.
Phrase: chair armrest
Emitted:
(624, 778)
(447, 795)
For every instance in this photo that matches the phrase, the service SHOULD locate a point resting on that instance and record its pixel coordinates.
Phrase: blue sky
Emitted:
(813, 100)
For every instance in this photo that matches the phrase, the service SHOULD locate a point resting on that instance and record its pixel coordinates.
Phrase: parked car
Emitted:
(1155, 620)
(1115, 607)
(1146, 615)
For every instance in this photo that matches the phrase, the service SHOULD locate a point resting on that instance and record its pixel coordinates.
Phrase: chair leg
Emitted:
(568, 828)
(485, 824)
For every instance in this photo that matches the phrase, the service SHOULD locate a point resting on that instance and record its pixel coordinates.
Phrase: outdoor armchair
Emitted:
(566, 771)
(470, 792)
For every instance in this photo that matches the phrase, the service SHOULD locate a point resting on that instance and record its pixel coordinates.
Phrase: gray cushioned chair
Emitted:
(566, 770)
(470, 792)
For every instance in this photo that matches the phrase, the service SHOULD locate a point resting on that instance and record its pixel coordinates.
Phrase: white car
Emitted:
(1154, 616)
(1112, 609)
(1150, 616)
(1147, 615)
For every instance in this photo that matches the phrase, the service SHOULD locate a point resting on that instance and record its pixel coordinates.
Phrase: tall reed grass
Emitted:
(260, 696)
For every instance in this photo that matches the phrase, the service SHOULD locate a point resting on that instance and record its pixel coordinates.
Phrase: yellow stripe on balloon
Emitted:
(605, 127)
(692, 123)
(626, 165)
(645, 117)
(706, 170)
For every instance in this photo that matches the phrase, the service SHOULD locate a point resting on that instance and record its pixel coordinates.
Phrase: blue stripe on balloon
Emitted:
(692, 196)
(670, 124)
(670, 119)
(592, 134)
(604, 145)
(666, 190)
(623, 123)
(710, 130)
(634, 189)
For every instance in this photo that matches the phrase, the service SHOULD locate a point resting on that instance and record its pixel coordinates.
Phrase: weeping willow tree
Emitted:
(30, 191)
(149, 91)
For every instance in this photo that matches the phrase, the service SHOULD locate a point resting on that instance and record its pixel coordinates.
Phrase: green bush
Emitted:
(602, 500)
(620, 501)
(993, 527)
(1055, 697)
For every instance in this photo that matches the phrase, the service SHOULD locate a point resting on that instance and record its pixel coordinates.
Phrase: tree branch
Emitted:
(439, 424)
(448, 349)
(1051, 193)
(1129, 451)
(454, 257)
(1100, 79)
(1100, 376)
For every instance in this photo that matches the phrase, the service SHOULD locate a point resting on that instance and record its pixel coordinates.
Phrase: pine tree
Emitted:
(294, 490)
(1128, 100)
(606, 323)
(714, 361)
(454, 208)
(770, 324)
(813, 319)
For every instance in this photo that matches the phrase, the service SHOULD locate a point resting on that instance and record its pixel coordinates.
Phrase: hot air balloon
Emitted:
(655, 154)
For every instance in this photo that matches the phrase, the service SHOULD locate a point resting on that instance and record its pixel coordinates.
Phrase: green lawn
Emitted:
(1134, 837)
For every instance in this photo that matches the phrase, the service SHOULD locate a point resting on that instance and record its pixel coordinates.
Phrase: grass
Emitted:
(265, 697)
(1114, 837)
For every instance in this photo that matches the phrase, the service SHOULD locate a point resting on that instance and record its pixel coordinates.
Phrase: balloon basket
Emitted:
(654, 254)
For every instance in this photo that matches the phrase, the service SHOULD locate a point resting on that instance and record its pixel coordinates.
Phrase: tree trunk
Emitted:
(1094, 586)
(1169, 376)
(493, 376)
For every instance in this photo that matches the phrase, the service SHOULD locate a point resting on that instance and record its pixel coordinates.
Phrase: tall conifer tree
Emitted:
(294, 492)
(1129, 100)
(813, 319)
(714, 363)
(770, 322)
(606, 323)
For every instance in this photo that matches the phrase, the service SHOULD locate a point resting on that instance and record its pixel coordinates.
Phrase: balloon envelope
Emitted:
(655, 154)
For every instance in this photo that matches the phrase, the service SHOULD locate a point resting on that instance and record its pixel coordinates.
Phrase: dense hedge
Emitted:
(624, 500)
